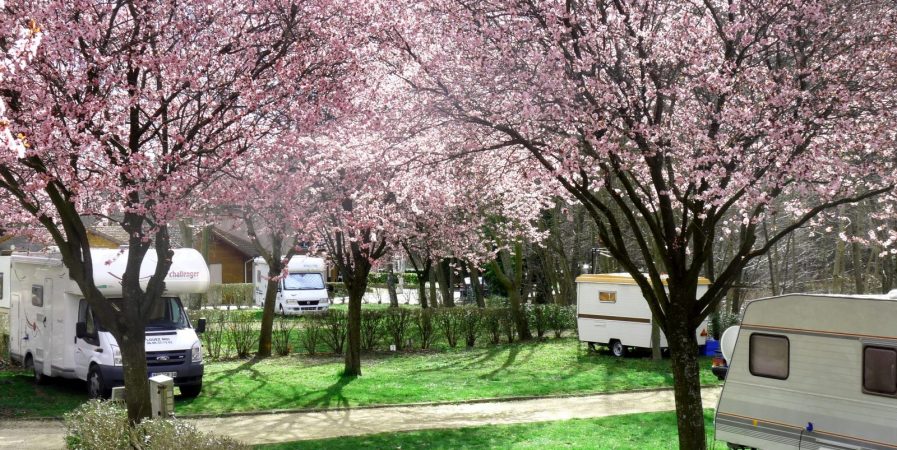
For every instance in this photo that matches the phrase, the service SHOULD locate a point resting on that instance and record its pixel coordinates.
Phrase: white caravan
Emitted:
(610, 310)
(302, 289)
(813, 371)
(54, 332)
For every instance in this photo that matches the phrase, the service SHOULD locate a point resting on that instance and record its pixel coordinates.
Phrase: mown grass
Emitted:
(634, 431)
(562, 366)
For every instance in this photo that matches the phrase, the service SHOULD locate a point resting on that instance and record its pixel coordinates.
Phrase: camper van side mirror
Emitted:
(81, 330)
(201, 326)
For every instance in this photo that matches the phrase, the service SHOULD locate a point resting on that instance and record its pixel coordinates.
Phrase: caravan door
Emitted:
(15, 327)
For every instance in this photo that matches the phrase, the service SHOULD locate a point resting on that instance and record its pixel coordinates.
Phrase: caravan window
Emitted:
(37, 295)
(607, 296)
(879, 370)
(768, 356)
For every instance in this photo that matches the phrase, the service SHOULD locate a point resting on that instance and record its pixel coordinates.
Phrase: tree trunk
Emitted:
(353, 338)
(132, 344)
(519, 315)
(655, 341)
(432, 279)
(422, 277)
(266, 334)
(475, 285)
(391, 282)
(686, 379)
(443, 276)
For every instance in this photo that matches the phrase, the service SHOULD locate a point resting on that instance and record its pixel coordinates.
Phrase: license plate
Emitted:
(167, 374)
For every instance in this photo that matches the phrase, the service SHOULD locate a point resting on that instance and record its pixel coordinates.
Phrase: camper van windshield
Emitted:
(296, 281)
(167, 313)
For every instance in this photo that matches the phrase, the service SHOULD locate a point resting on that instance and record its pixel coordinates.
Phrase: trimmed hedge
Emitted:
(235, 332)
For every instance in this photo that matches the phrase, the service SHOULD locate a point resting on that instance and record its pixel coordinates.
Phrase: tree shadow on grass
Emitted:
(331, 397)
(211, 385)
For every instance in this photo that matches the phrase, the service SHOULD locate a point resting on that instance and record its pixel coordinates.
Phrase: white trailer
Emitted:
(54, 333)
(302, 289)
(813, 371)
(610, 310)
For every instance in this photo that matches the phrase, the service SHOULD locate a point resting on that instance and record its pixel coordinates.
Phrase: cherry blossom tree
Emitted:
(684, 123)
(131, 106)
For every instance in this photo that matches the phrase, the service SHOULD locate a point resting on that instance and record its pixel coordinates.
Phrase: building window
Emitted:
(37, 295)
(607, 296)
(880, 370)
(769, 356)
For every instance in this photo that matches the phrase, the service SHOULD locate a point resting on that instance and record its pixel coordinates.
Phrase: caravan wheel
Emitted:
(617, 348)
(96, 388)
(39, 378)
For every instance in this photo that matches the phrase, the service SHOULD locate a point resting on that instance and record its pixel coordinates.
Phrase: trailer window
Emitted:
(37, 295)
(769, 356)
(607, 296)
(879, 370)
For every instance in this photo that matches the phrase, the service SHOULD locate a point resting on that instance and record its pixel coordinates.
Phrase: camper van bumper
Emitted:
(187, 374)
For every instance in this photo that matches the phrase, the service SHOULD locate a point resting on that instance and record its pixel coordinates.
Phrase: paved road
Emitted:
(286, 427)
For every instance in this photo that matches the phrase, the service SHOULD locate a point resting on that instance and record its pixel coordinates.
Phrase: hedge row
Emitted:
(236, 333)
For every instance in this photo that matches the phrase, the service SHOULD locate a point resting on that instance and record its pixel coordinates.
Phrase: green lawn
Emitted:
(635, 431)
(552, 367)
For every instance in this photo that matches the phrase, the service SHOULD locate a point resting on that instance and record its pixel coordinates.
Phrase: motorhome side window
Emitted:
(768, 356)
(879, 370)
(607, 296)
(37, 295)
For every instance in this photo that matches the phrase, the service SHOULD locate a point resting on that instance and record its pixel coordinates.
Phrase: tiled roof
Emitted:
(117, 234)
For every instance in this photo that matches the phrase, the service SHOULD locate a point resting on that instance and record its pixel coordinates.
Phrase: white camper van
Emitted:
(812, 371)
(53, 331)
(303, 289)
(610, 310)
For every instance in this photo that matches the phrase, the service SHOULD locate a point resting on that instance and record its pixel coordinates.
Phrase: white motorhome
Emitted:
(53, 330)
(302, 289)
(610, 310)
(813, 371)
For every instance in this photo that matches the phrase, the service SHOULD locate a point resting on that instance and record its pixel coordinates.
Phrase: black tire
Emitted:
(617, 348)
(96, 387)
(191, 391)
(38, 377)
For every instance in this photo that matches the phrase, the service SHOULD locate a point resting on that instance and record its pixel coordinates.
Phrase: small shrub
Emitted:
(213, 338)
(335, 324)
(243, 332)
(423, 322)
(396, 321)
(97, 425)
(537, 315)
(232, 294)
(496, 301)
(508, 325)
(311, 332)
(338, 289)
(492, 324)
(560, 318)
(283, 335)
(371, 328)
(470, 324)
(448, 320)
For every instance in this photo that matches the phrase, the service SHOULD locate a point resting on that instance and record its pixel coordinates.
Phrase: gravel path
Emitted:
(286, 427)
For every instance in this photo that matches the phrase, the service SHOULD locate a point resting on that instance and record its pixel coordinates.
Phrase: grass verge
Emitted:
(554, 367)
(633, 431)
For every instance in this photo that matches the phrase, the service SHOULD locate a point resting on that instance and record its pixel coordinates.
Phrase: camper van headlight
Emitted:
(196, 352)
(116, 356)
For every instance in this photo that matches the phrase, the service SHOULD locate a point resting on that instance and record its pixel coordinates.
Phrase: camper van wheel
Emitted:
(96, 388)
(617, 348)
(39, 378)
(191, 391)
